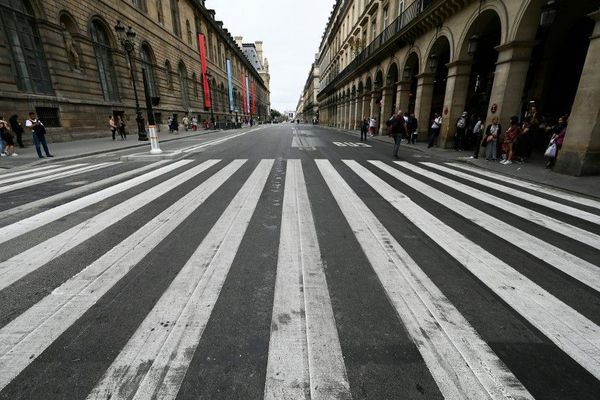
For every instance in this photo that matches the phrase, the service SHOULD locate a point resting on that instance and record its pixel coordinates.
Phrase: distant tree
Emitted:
(275, 114)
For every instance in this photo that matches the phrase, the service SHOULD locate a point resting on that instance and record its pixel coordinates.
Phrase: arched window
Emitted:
(148, 65)
(169, 75)
(17, 23)
(104, 58)
(188, 30)
(183, 83)
(175, 18)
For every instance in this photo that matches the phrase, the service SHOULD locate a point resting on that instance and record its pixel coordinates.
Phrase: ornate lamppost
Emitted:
(127, 40)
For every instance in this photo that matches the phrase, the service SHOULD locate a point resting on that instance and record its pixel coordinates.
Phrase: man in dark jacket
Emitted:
(397, 128)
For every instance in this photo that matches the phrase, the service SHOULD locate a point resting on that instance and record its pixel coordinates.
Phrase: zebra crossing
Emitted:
(307, 355)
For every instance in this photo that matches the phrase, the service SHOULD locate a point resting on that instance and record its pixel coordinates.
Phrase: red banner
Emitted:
(252, 98)
(244, 108)
(204, 67)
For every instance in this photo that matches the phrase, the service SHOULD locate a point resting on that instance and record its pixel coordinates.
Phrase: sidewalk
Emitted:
(87, 147)
(533, 171)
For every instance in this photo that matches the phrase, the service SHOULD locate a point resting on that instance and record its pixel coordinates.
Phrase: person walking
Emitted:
(510, 138)
(364, 129)
(491, 139)
(17, 129)
(113, 126)
(461, 128)
(7, 138)
(194, 123)
(411, 126)
(397, 128)
(372, 126)
(122, 127)
(435, 129)
(477, 136)
(39, 135)
(558, 137)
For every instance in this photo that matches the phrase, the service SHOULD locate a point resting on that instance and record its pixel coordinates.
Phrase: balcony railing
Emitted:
(407, 16)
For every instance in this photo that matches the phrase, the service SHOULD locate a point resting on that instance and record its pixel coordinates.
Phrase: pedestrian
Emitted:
(510, 138)
(491, 139)
(185, 121)
(411, 126)
(17, 129)
(38, 132)
(2, 142)
(556, 141)
(113, 126)
(396, 129)
(170, 123)
(122, 127)
(7, 139)
(477, 136)
(461, 128)
(364, 129)
(435, 129)
(174, 125)
(194, 123)
(372, 126)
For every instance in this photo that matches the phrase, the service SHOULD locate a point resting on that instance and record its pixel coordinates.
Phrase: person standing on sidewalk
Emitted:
(372, 126)
(17, 129)
(477, 134)
(39, 135)
(364, 129)
(113, 126)
(435, 129)
(411, 126)
(122, 127)
(461, 128)
(397, 128)
(7, 139)
(510, 138)
(491, 139)
(558, 137)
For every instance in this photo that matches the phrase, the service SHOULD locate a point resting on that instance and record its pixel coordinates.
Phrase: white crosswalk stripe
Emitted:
(34, 173)
(307, 343)
(27, 171)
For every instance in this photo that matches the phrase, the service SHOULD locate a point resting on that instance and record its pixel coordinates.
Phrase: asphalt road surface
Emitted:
(294, 262)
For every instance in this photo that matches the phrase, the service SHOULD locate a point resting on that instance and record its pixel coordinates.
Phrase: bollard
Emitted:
(154, 146)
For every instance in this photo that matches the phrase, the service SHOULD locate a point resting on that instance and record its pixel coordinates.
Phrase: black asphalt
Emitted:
(382, 362)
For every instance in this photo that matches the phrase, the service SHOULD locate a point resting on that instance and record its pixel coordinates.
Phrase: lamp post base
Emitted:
(154, 146)
(142, 137)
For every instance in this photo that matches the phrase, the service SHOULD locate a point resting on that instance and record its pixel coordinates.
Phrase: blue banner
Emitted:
(247, 95)
(230, 86)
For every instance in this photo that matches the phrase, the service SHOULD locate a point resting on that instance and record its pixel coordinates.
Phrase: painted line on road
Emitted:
(573, 232)
(77, 191)
(154, 362)
(35, 257)
(462, 364)
(585, 272)
(304, 349)
(36, 221)
(24, 174)
(587, 216)
(53, 177)
(194, 148)
(573, 333)
(531, 186)
(42, 173)
(27, 336)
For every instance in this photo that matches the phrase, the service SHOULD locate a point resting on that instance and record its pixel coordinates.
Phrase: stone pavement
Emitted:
(87, 147)
(533, 170)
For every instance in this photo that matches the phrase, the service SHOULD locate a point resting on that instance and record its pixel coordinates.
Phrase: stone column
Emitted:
(372, 106)
(403, 96)
(366, 100)
(386, 98)
(423, 103)
(580, 154)
(509, 80)
(457, 85)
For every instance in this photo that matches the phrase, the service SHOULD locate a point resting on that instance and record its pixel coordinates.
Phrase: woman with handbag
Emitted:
(556, 141)
(491, 139)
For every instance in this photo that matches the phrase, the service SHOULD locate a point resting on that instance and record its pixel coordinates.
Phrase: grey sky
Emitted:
(291, 31)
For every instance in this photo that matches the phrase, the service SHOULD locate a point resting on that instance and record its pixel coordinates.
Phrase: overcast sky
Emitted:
(291, 31)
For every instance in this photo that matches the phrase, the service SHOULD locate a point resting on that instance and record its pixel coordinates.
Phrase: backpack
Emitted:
(39, 129)
(461, 123)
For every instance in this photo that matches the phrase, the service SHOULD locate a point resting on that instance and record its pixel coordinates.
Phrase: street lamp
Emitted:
(548, 14)
(212, 105)
(473, 45)
(408, 73)
(433, 62)
(127, 40)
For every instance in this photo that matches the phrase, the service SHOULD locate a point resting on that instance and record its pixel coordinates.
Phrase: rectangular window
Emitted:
(400, 7)
(374, 29)
(386, 18)
(49, 116)
(175, 18)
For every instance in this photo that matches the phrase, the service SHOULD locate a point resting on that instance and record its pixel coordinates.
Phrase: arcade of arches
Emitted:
(492, 58)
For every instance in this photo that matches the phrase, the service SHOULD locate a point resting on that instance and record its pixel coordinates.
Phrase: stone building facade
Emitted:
(488, 57)
(310, 104)
(62, 58)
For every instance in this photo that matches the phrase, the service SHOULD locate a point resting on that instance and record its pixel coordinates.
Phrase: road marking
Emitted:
(77, 191)
(27, 336)
(154, 362)
(573, 333)
(53, 177)
(587, 216)
(30, 260)
(36, 221)
(462, 364)
(585, 272)
(197, 147)
(351, 144)
(35, 171)
(531, 186)
(304, 349)
(545, 221)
